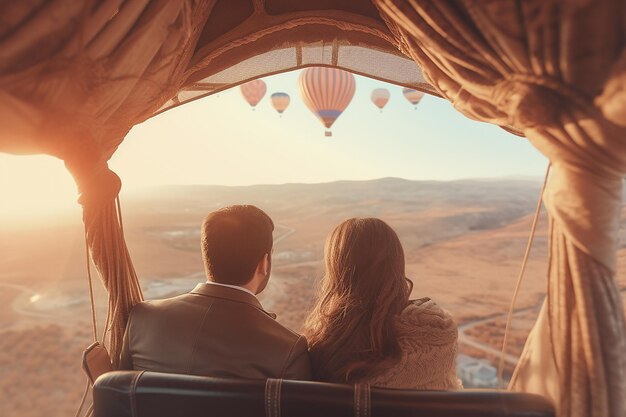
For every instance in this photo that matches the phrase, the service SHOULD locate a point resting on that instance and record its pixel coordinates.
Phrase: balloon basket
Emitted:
(328, 133)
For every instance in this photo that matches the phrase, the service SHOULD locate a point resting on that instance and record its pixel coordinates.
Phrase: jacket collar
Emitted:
(232, 294)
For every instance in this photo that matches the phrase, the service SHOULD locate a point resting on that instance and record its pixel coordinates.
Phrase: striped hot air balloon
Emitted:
(413, 96)
(380, 97)
(326, 92)
(253, 91)
(280, 101)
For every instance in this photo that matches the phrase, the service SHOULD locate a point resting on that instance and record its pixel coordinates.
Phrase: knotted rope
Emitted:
(99, 187)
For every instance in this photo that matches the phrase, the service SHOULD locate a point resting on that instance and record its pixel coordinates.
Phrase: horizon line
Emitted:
(477, 179)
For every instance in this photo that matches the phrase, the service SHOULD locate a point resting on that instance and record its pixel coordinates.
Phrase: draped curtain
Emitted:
(75, 76)
(557, 71)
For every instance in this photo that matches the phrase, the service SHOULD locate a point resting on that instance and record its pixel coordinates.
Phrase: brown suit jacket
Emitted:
(213, 331)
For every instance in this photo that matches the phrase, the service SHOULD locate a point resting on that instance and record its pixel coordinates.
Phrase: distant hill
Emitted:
(162, 223)
(419, 194)
(425, 211)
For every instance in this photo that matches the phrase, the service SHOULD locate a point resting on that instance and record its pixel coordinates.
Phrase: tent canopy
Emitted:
(245, 39)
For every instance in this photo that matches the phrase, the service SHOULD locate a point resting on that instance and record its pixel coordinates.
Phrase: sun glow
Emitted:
(34, 187)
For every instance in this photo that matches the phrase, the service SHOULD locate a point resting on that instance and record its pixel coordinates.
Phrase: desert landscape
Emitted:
(464, 243)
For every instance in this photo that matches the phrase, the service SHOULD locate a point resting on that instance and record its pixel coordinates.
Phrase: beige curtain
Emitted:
(556, 70)
(75, 76)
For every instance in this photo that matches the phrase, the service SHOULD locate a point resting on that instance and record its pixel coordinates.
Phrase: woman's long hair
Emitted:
(350, 330)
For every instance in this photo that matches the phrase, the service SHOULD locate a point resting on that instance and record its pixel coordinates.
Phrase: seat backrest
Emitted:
(151, 394)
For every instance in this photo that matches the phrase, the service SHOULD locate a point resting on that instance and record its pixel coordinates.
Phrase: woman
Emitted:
(364, 328)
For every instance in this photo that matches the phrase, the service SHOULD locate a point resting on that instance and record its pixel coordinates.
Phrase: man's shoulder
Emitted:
(159, 303)
(277, 328)
(257, 319)
(148, 308)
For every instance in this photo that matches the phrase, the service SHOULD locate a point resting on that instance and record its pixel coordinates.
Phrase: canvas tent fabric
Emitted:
(76, 75)
(543, 66)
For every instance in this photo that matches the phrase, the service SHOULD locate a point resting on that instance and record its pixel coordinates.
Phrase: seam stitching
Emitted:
(282, 373)
(268, 409)
(357, 410)
(278, 391)
(195, 342)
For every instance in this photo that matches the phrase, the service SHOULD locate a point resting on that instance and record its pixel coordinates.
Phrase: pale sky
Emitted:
(220, 140)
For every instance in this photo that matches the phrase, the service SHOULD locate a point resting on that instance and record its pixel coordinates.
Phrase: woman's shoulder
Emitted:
(424, 319)
(425, 310)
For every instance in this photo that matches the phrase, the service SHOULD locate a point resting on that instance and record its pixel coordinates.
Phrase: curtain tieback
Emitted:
(530, 100)
(97, 184)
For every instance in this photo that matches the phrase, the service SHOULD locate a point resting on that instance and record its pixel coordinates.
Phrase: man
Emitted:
(220, 329)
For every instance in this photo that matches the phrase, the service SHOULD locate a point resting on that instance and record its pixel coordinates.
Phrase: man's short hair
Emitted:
(234, 240)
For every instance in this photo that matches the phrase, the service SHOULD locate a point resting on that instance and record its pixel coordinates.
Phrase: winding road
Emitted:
(289, 232)
(470, 341)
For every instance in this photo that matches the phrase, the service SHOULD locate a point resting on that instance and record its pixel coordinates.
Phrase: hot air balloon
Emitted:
(253, 91)
(413, 96)
(280, 101)
(380, 97)
(326, 92)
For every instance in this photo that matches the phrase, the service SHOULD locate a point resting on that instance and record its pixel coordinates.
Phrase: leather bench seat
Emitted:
(152, 394)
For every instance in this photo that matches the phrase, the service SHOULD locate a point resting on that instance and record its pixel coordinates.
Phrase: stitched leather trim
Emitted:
(272, 397)
(268, 396)
(357, 401)
(132, 393)
(279, 387)
(368, 400)
(362, 400)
